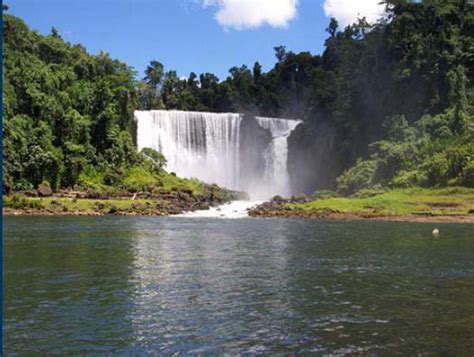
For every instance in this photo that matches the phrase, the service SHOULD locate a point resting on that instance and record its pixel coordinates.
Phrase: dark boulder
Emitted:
(278, 199)
(301, 198)
(204, 205)
(44, 191)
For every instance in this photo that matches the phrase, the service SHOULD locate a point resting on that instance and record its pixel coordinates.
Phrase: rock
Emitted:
(44, 191)
(204, 205)
(113, 209)
(278, 199)
(301, 198)
(183, 196)
(91, 194)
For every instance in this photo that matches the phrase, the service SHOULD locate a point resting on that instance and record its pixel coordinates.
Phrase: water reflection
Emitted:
(206, 284)
(67, 285)
(133, 285)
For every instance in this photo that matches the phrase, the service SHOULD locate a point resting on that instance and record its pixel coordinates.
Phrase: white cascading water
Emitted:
(206, 146)
(195, 144)
(276, 153)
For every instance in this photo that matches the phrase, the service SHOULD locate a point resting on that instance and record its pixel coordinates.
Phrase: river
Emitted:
(136, 285)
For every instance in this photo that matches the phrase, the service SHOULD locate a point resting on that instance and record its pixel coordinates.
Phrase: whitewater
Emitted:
(208, 146)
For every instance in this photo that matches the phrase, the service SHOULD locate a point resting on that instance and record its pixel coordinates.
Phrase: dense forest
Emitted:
(388, 104)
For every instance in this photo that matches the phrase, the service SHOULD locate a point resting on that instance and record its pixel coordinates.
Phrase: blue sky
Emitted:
(187, 35)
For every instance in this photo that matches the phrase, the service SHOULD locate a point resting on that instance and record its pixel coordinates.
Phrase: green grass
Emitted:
(447, 201)
(78, 205)
(137, 179)
(401, 202)
(19, 202)
(169, 182)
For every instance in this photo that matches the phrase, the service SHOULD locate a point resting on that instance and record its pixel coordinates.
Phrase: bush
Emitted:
(468, 174)
(22, 185)
(436, 126)
(155, 158)
(406, 179)
(112, 177)
(92, 179)
(457, 158)
(169, 180)
(138, 179)
(19, 202)
(436, 170)
(356, 178)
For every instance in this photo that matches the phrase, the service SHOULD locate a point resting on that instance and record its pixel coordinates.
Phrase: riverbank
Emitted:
(410, 205)
(67, 203)
(455, 205)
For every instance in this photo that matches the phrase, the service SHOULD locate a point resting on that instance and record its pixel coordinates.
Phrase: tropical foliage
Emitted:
(397, 96)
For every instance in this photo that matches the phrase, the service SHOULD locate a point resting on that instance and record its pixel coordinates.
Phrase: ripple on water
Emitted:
(134, 286)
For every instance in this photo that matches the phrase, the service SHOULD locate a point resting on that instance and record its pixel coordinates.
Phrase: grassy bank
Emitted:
(66, 206)
(138, 179)
(447, 204)
(175, 200)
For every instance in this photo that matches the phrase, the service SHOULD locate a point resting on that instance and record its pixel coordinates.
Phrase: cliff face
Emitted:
(313, 161)
(253, 141)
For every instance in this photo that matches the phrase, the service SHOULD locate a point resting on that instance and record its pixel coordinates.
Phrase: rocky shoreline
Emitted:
(86, 203)
(42, 202)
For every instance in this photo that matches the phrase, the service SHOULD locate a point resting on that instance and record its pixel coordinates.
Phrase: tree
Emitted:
(156, 158)
(280, 53)
(332, 28)
(154, 74)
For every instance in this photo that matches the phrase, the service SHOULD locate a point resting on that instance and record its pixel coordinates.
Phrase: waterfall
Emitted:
(195, 144)
(207, 146)
(276, 153)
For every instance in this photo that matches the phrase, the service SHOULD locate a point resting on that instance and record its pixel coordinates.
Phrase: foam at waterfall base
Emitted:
(234, 209)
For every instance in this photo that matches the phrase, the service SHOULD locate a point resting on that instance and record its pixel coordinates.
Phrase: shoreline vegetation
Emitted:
(160, 202)
(455, 204)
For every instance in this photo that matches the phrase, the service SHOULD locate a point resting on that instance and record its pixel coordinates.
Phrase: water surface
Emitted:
(132, 285)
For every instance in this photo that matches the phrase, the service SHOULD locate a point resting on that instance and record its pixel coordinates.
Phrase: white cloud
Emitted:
(249, 14)
(346, 12)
